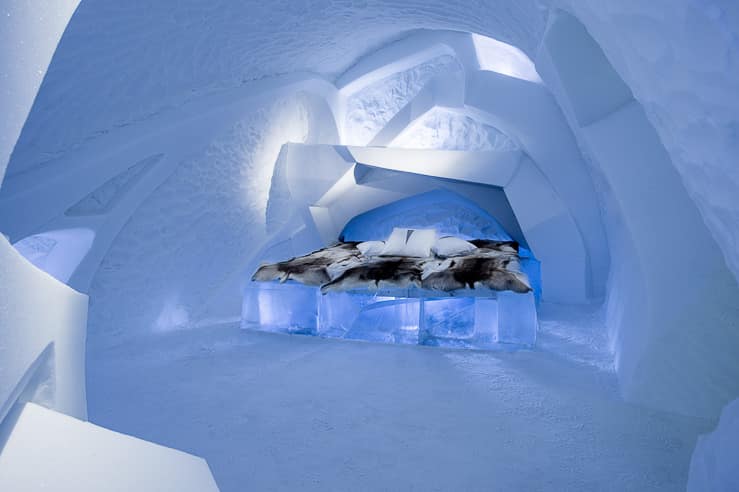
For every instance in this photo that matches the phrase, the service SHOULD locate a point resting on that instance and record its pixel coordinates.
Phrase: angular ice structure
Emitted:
(47, 450)
(476, 319)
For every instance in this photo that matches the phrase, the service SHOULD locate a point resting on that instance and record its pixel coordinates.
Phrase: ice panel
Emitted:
(464, 322)
(450, 317)
(389, 321)
(338, 310)
(287, 308)
(517, 321)
(486, 321)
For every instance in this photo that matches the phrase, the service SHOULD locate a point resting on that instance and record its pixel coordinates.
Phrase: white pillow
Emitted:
(452, 246)
(410, 242)
(371, 248)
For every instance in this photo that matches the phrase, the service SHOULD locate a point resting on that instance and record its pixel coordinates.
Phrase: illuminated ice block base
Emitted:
(473, 319)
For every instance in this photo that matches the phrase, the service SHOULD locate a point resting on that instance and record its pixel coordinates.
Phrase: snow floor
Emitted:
(281, 412)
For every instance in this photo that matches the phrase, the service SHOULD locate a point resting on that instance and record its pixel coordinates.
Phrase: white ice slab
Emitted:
(491, 167)
(42, 337)
(50, 451)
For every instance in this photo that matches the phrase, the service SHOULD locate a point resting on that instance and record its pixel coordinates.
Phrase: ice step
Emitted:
(47, 450)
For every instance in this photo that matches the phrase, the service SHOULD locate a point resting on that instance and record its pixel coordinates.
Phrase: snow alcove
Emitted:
(386, 309)
(549, 185)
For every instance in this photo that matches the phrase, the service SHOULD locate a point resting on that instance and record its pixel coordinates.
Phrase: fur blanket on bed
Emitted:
(341, 267)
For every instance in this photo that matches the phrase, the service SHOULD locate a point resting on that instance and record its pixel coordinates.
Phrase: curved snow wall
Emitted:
(42, 321)
(673, 306)
(29, 37)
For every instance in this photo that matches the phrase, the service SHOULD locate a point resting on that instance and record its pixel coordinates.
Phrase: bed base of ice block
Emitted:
(473, 319)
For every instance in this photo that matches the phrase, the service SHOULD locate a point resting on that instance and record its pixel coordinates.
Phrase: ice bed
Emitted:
(413, 288)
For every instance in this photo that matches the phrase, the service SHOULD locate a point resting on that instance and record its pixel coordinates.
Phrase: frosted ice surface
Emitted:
(517, 320)
(390, 317)
(448, 321)
(187, 237)
(338, 311)
(287, 308)
(387, 320)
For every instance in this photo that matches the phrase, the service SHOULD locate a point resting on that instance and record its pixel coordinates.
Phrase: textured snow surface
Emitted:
(714, 463)
(204, 221)
(175, 51)
(444, 129)
(102, 199)
(681, 61)
(57, 252)
(281, 412)
(372, 107)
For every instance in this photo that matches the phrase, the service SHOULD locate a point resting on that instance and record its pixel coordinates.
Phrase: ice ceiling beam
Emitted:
(491, 168)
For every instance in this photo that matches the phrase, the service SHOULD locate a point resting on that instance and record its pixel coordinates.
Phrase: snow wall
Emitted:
(42, 321)
(713, 465)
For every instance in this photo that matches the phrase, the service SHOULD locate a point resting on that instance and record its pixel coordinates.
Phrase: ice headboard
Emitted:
(447, 212)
